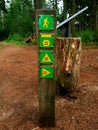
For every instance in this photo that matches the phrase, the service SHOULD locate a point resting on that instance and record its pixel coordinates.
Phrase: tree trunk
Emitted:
(96, 16)
(67, 63)
(64, 9)
(38, 4)
(73, 21)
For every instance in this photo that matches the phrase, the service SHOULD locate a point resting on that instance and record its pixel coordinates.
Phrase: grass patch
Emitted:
(96, 36)
(1, 46)
(88, 37)
(16, 39)
(19, 43)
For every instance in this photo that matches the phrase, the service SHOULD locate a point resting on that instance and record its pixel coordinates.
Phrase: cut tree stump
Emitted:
(67, 64)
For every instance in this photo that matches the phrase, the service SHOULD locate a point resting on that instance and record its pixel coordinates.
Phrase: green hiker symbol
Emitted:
(46, 23)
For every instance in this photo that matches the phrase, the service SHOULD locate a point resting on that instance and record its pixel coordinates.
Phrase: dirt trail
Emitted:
(19, 92)
(18, 85)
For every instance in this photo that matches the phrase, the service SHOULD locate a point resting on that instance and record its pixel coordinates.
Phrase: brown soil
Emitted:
(19, 92)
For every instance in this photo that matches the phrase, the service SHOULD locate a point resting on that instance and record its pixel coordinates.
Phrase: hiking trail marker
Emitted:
(46, 31)
(46, 22)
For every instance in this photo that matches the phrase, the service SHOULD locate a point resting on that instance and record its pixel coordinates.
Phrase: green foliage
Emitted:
(58, 32)
(1, 46)
(20, 17)
(19, 40)
(86, 36)
(16, 39)
(96, 36)
(3, 34)
(2, 5)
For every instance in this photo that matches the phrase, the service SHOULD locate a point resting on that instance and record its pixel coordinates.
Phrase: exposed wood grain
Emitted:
(68, 55)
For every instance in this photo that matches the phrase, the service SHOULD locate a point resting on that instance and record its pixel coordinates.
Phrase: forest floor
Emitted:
(19, 92)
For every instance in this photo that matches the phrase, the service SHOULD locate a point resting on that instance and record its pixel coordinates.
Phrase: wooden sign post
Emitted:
(46, 31)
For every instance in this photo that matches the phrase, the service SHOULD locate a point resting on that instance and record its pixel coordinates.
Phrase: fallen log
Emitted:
(31, 39)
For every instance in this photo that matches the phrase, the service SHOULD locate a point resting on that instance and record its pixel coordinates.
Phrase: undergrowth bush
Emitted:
(58, 33)
(96, 36)
(87, 37)
(3, 35)
(1, 46)
(20, 40)
(16, 39)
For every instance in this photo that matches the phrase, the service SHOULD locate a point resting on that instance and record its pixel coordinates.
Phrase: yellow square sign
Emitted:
(46, 40)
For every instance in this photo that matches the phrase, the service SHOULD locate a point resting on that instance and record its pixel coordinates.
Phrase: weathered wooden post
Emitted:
(46, 30)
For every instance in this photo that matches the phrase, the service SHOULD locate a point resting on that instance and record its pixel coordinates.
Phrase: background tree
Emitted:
(3, 27)
(73, 12)
(2, 6)
(87, 20)
(20, 17)
(38, 4)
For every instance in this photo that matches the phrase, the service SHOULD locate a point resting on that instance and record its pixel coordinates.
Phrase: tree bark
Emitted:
(96, 15)
(67, 63)
(73, 21)
(38, 4)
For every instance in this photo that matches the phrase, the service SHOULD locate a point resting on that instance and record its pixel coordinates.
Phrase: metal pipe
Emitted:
(70, 18)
